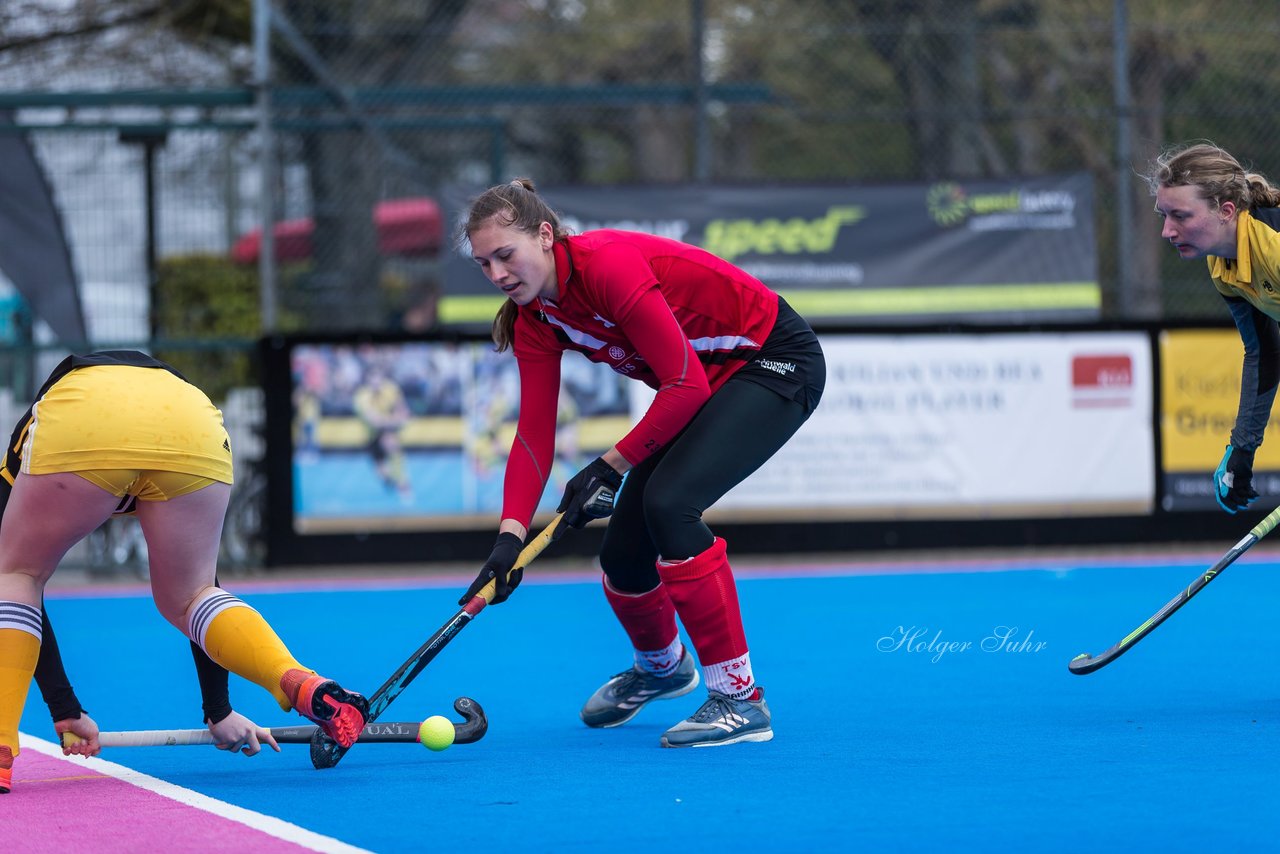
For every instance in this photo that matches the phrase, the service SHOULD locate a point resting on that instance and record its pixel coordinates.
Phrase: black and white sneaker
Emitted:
(619, 699)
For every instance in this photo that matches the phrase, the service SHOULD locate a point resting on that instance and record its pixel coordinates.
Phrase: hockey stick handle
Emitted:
(389, 732)
(1266, 526)
(1084, 664)
(531, 550)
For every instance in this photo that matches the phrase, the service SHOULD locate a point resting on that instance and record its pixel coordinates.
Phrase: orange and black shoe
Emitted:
(6, 769)
(340, 713)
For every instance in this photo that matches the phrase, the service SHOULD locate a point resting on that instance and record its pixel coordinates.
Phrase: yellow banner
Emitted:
(1200, 393)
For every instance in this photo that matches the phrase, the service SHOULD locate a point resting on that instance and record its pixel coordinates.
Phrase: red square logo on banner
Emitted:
(1102, 380)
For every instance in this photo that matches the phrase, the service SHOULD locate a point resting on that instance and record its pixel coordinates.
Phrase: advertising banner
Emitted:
(415, 435)
(968, 426)
(1016, 250)
(1200, 393)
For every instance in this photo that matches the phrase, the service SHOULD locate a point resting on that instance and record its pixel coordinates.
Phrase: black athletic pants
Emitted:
(659, 509)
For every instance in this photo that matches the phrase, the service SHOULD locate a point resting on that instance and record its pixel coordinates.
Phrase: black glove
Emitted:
(498, 569)
(1233, 481)
(588, 495)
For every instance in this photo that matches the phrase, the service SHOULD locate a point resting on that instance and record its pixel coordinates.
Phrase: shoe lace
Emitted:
(716, 707)
(628, 682)
(634, 681)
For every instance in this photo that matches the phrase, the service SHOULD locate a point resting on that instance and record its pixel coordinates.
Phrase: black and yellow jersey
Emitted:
(1254, 274)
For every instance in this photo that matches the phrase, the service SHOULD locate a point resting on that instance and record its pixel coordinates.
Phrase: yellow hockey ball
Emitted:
(436, 732)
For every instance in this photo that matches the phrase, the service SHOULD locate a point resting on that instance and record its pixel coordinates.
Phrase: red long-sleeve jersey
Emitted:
(657, 310)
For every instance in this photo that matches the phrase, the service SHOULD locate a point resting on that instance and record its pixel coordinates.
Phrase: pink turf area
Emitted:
(59, 805)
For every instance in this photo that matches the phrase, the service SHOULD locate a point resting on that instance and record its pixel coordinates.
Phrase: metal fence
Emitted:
(348, 121)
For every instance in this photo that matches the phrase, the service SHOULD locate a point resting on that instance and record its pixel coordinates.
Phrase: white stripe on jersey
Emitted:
(577, 336)
(722, 342)
(701, 345)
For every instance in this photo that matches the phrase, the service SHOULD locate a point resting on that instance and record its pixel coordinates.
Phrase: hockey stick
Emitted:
(1085, 663)
(326, 753)
(472, 729)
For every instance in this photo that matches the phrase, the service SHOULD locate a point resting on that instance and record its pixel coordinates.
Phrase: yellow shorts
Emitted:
(136, 431)
(146, 485)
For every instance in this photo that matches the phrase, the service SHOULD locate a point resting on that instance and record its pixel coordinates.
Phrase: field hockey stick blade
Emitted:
(473, 727)
(474, 723)
(326, 753)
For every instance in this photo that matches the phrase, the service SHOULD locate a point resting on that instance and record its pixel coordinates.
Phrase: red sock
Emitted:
(706, 599)
(648, 618)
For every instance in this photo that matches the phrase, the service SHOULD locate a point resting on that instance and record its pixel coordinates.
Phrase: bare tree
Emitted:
(340, 48)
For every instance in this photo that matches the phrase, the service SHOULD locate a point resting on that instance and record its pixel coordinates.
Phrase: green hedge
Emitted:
(214, 305)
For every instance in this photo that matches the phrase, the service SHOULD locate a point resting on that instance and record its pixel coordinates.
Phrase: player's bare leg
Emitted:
(46, 515)
(182, 538)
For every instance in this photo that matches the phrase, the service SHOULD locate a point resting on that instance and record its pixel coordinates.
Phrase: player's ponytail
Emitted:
(1263, 193)
(504, 326)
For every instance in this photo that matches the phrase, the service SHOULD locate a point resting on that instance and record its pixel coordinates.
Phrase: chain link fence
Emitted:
(679, 91)
(168, 138)
(375, 108)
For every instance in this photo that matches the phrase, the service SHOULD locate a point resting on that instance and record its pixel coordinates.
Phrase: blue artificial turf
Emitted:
(925, 745)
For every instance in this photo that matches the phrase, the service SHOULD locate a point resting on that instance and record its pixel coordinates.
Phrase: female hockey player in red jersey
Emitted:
(736, 373)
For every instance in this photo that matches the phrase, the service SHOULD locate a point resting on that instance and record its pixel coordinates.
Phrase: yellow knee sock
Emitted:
(239, 639)
(19, 651)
